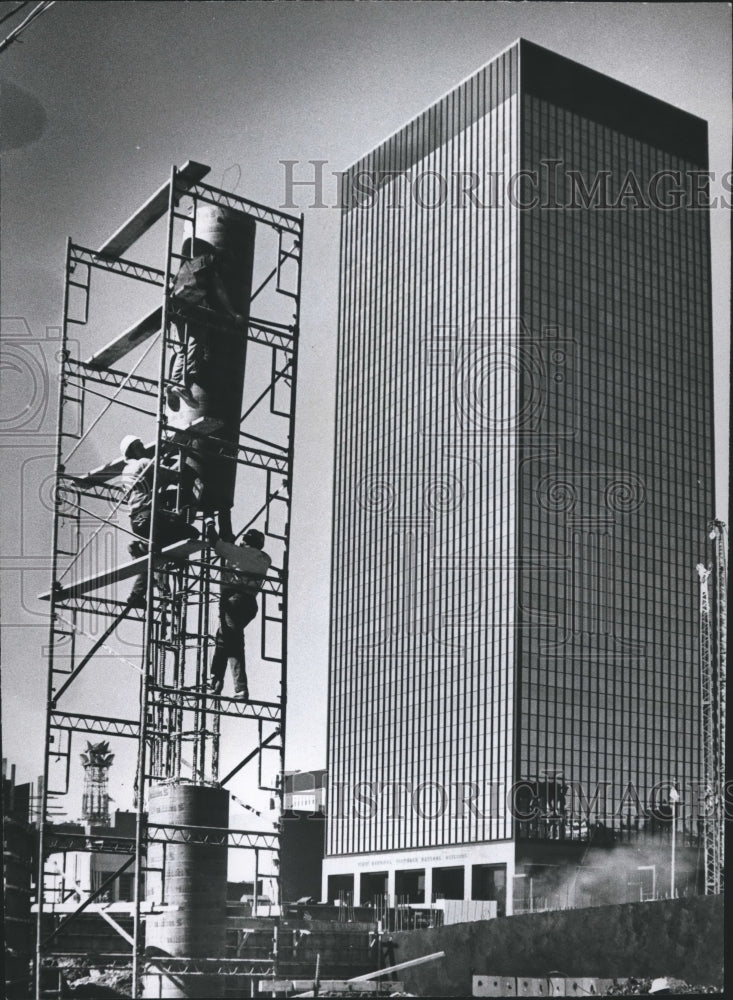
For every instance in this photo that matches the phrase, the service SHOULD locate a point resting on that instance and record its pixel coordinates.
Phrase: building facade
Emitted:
(305, 791)
(524, 473)
(74, 875)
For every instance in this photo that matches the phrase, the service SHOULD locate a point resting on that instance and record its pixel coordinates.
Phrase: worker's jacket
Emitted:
(243, 567)
(194, 282)
(137, 482)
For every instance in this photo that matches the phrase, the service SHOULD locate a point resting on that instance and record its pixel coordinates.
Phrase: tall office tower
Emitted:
(524, 473)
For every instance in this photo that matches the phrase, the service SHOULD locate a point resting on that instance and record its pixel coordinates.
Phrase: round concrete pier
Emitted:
(194, 889)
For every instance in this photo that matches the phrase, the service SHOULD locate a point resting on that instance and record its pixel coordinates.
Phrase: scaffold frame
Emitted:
(176, 710)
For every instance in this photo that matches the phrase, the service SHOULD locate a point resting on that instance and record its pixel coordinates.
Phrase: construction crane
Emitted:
(713, 644)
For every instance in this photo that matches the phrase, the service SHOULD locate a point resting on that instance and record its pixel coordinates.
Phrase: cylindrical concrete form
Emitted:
(194, 889)
(224, 245)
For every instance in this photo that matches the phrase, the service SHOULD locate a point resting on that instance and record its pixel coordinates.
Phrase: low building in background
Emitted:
(305, 790)
(77, 874)
(19, 854)
(303, 834)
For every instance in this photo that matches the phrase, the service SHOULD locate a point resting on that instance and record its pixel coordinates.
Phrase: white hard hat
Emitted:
(127, 442)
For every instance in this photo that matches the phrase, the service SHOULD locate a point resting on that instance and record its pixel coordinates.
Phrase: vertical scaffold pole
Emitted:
(140, 820)
(43, 805)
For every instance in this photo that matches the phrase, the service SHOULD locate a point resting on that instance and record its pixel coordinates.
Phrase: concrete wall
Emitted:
(681, 938)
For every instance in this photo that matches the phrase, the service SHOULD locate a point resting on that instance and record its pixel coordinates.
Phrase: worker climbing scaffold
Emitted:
(245, 568)
(169, 527)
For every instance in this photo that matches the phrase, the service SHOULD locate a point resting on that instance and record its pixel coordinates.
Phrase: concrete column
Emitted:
(511, 868)
(428, 885)
(391, 885)
(194, 889)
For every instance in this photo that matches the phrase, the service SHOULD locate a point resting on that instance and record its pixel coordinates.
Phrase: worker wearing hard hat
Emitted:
(244, 568)
(170, 527)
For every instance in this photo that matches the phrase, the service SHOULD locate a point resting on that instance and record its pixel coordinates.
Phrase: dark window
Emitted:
(127, 887)
(410, 884)
(489, 882)
(338, 884)
(373, 886)
(448, 883)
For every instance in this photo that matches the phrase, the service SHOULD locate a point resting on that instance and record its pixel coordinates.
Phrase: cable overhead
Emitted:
(41, 8)
(12, 13)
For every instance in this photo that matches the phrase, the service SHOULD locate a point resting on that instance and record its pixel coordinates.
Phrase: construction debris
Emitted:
(666, 986)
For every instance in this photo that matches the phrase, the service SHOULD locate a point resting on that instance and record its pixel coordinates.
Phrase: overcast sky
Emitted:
(100, 100)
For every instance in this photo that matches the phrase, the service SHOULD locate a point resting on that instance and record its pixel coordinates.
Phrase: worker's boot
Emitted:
(176, 393)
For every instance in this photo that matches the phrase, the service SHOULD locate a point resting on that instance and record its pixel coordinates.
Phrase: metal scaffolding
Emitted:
(177, 727)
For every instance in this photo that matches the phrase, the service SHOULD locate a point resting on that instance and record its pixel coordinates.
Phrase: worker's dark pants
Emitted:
(169, 528)
(190, 362)
(236, 611)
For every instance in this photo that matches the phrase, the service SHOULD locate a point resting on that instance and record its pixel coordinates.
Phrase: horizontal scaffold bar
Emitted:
(128, 268)
(112, 377)
(250, 967)
(56, 841)
(104, 606)
(268, 711)
(116, 959)
(259, 331)
(272, 585)
(123, 572)
(154, 209)
(171, 833)
(256, 458)
(95, 724)
(262, 332)
(89, 487)
(269, 216)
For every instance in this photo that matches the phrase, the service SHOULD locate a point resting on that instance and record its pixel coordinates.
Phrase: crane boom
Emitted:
(713, 650)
